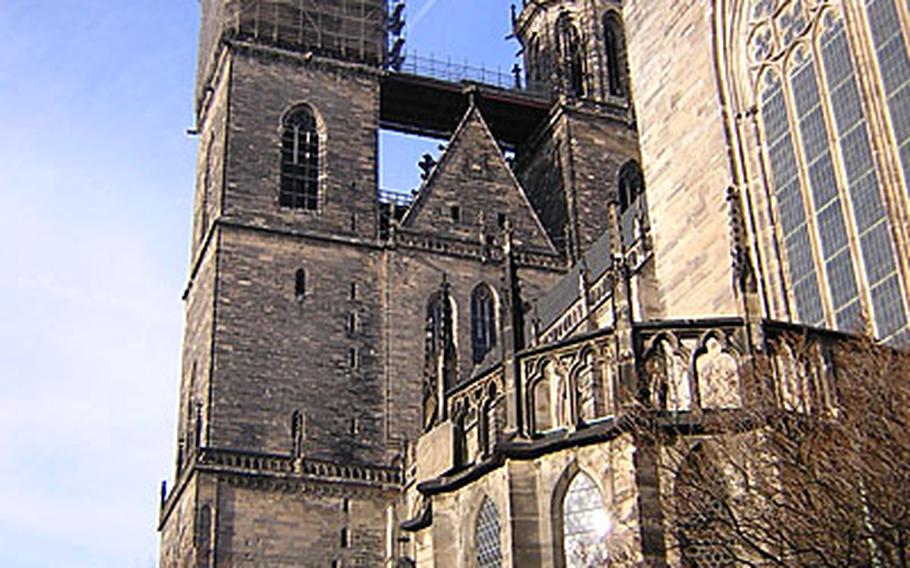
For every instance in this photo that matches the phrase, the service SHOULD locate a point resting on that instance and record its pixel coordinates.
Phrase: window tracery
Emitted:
(486, 536)
(816, 140)
(585, 524)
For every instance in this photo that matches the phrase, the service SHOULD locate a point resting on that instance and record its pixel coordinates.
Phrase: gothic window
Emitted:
(571, 55)
(300, 161)
(585, 525)
(615, 55)
(632, 210)
(894, 65)
(816, 139)
(631, 185)
(300, 284)
(486, 536)
(700, 513)
(483, 322)
(878, 254)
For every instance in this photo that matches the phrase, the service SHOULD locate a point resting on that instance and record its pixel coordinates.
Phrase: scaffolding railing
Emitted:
(394, 197)
(453, 71)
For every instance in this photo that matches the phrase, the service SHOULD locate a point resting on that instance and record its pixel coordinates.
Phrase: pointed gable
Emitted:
(472, 190)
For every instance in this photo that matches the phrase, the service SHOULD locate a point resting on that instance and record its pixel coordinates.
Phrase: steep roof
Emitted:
(472, 190)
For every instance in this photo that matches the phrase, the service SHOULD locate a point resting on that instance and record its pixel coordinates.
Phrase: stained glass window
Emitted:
(486, 536)
(586, 525)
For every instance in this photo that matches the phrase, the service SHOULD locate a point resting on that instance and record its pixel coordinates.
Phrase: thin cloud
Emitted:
(424, 10)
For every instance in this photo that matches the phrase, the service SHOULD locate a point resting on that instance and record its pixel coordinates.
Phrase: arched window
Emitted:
(486, 536)
(300, 161)
(585, 525)
(631, 185)
(632, 203)
(571, 55)
(300, 284)
(837, 239)
(615, 55)
(483, 322)
(700, 513)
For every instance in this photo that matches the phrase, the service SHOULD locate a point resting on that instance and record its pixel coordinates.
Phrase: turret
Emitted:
(576, 49)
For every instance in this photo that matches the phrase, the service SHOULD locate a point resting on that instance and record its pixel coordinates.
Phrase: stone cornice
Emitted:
(474, 250)
(283, 473)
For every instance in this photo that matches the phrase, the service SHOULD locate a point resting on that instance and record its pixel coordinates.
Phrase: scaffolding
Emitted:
(345, 29)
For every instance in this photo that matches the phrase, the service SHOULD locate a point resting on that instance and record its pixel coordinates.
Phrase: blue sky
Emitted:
(96, 180)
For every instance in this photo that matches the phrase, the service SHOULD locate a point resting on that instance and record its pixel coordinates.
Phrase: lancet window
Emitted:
(615, 55)
(632, 206)
(571, 55)
(300, 160)
(586, 526)
(487, 536)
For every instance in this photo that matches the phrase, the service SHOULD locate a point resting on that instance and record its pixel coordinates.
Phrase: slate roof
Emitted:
(566, 291)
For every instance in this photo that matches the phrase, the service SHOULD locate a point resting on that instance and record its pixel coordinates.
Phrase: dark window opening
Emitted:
(483, 322)
(345, 538)
(353, 293)
(300, 285)
(300, 161)
(455, 212)
(354, 358)
(569, 47)
(631, 185)
(352, 324)
(501, 220)
(633, 210)
(614, 46)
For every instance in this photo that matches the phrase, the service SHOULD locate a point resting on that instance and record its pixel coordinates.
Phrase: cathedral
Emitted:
(664, 191)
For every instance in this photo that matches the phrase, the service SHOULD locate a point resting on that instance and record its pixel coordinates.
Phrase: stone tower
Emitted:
(574, 53)
(281, 369)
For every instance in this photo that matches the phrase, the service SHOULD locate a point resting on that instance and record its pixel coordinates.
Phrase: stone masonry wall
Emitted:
(684, 153)
(345, 100)
(276, 354)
